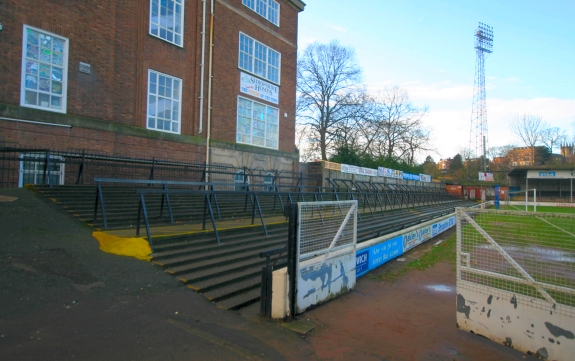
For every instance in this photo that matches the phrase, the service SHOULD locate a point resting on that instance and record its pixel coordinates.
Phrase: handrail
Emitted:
(208, 194)
(386, 195)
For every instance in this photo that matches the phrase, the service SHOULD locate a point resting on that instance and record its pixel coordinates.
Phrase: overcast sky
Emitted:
(427, 47)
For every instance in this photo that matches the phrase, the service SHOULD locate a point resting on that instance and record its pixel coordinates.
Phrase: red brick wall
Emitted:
(226, 73)
(78, 139)
(112, 36)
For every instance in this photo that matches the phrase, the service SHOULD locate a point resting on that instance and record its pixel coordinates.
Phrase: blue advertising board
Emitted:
(376, 255)
(372, 257)
(362, 262)
(442, 226)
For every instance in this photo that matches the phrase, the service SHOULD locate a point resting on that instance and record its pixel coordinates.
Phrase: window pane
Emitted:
(43, 100)
(58, 45)
(56, 87)
(56, 102)
(44, 70)
(32, 51)
(45, 55)
(32, 37)
(31, 98)
(56, 73)
(31, 82)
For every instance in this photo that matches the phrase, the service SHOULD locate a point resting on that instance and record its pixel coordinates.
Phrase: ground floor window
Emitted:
(37, 168)
(258, 124)
(269, 181)
(242, 178)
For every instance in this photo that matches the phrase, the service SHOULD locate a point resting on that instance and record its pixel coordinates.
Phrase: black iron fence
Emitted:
(20, 166)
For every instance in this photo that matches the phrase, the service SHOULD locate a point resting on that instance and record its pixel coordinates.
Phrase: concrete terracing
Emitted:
(226, 273)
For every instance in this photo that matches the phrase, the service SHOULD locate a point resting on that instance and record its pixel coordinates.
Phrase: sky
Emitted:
(427, 48)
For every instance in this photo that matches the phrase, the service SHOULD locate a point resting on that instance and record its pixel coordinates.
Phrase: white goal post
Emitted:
(526, 192)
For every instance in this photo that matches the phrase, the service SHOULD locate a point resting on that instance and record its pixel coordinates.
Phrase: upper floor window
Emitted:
(167, 20)
(269, 9)
(164, 102)
(259, 59)
(44, 70)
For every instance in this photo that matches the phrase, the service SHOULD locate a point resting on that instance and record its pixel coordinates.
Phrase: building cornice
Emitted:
(300, 5)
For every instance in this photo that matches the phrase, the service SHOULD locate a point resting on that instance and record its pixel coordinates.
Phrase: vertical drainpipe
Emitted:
(202, 67)
(210, 76)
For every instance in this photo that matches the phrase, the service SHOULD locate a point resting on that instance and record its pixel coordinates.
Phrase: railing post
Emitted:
(81, 171)
(152, 170)
(292, 214)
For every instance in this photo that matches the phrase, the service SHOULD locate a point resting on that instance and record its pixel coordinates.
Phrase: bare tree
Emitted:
(551, 137)
(528, 128)
(395, 129)
(328, 79)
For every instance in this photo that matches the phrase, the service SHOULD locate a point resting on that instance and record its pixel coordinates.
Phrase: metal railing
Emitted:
(53, 167)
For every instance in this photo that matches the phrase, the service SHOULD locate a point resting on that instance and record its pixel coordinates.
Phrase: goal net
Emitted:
(523, 200)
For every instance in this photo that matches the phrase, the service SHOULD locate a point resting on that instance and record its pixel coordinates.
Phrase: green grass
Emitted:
(534, 229)
(445, 251)
(546, 209)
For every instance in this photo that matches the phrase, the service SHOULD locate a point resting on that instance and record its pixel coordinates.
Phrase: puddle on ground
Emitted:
(440, 288)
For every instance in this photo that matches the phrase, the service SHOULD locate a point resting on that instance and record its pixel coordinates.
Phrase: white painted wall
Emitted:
(523, 323)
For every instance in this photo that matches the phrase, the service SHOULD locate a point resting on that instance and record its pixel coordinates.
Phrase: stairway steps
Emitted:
(196, 246)
(226, 279)
(188, 264)
(240, 300)
(203, 274)
(227, 291)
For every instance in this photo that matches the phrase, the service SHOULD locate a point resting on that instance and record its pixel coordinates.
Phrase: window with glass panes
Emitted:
(44, 70)
(259, 59)
(167, 20)
(258, 124)
(164, 102)
(36, 168)
(269, 9)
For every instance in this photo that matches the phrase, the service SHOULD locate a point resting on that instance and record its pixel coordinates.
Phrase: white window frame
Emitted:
(38, 168)
(251, 129)
(51, 94)
(250, 57)
(155, 93)
(255, 6)
(159, 26)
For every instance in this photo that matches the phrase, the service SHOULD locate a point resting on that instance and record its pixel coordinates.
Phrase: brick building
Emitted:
(184, 80)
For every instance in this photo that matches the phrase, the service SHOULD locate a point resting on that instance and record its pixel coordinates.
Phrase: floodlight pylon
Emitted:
(478, 138)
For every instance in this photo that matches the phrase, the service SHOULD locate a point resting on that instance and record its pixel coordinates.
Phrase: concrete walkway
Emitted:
(61, 298)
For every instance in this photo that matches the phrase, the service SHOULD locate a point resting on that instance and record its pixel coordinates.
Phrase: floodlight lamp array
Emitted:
(484, 38)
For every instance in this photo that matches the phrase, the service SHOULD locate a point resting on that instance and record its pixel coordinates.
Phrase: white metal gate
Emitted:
(325, 256)
(516, 279)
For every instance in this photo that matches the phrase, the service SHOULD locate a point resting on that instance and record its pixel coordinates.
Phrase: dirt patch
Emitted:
(412, 317)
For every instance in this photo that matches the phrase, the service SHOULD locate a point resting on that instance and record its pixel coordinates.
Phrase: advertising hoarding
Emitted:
(487, 177)
(259, 88)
